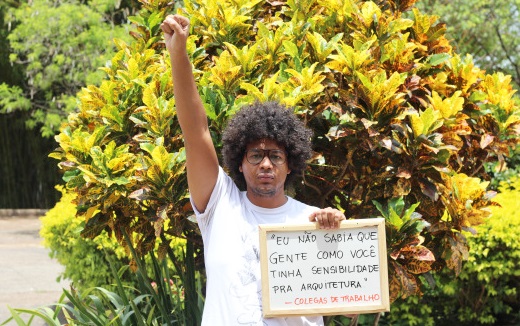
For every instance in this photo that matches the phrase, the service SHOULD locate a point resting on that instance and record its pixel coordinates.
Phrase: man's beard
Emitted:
(265, 193)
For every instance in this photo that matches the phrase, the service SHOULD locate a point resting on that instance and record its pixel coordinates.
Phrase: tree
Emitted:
(488, 30)
(58, 46)
(402, 124)
(48, 51)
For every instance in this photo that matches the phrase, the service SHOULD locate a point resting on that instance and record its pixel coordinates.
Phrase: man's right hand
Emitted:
(176, 30)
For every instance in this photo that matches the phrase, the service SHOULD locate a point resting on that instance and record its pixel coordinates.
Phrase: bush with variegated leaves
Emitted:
(487, 289)
(403, 126)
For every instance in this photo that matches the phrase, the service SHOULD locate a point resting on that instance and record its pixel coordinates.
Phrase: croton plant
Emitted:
(403, 126)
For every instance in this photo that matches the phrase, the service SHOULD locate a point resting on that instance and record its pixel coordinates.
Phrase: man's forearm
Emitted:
(190, 110)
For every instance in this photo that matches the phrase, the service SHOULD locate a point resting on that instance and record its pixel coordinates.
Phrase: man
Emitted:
(265, 146)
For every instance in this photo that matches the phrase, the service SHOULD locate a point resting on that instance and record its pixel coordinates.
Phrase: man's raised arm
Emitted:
(201, 157)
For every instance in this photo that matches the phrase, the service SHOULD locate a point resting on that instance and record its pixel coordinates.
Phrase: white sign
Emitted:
(311, 271)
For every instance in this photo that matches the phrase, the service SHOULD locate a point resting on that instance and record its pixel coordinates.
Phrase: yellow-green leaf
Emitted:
(425, 122)
(149, 97)
(448, 107)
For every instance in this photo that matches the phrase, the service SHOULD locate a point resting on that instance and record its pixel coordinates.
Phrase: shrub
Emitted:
(403, 126)
(84, 259)
(487, 289)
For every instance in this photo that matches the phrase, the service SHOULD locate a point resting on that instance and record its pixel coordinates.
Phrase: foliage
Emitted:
(491, 35)
(364, 319)
(156, 299)
(487, 289)
(132, 166)
(58, 46)
(8, 73)
(402, 125)
(84, 259)
(502, 172)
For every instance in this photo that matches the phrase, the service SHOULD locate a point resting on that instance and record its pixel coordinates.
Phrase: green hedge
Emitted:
(487, 290)
(84, 259)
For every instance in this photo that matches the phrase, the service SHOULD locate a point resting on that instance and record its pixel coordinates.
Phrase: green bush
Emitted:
(84, 259)
(487, 289)
(399, 119)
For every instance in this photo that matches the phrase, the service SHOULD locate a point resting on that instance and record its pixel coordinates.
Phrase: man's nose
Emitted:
(266, 163)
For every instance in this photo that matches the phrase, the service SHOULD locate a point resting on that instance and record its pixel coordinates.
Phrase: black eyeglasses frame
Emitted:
(267, 152)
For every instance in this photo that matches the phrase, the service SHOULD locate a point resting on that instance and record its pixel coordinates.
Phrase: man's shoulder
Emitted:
(298, 205)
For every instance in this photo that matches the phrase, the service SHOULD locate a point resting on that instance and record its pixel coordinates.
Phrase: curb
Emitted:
(22, 213)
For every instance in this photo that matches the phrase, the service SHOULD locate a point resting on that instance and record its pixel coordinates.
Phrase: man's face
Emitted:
(265, 180)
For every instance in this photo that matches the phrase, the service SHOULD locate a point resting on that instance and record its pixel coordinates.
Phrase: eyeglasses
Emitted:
(255, 156)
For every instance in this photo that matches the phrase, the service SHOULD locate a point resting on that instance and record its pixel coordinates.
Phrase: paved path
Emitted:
(27, 274)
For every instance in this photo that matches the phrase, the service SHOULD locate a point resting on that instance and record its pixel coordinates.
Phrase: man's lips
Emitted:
(265, 177)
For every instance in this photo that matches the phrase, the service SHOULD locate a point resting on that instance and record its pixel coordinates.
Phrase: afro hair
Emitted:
(268, 120)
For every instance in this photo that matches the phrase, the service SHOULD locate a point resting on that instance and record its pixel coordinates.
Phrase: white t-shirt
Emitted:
(229, 228)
